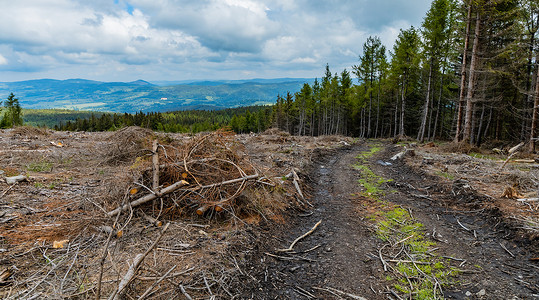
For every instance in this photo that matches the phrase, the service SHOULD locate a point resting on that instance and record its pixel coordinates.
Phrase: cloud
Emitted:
(184, 39)
(220, 25)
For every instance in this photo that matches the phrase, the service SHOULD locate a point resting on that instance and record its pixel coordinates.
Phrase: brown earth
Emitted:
(346, 250)
(233, 254)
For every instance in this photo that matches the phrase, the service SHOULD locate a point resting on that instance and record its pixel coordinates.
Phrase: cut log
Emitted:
(149, 197)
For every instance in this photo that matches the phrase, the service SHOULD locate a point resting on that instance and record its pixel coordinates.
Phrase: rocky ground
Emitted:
(473, 225)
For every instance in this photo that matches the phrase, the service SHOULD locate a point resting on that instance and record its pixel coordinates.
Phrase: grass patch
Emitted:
(445, 175)
(370, 182)
(40, 166)
(483, 156)
(364, 155)
(416, 271)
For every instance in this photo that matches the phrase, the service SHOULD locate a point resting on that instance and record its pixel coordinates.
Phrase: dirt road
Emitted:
(341, 257)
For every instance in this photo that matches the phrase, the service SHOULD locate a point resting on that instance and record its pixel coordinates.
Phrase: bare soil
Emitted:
(74, 178)
(346, 248)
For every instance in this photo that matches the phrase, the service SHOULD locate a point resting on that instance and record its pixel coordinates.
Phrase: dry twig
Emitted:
(130, 274)
(300, 238)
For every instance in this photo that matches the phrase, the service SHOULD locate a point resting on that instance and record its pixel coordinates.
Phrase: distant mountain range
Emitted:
(140, 95)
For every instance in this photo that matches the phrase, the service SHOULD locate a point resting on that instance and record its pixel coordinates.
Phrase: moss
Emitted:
(397, 227)
(370, 181)
(364, 155)
(445, 175)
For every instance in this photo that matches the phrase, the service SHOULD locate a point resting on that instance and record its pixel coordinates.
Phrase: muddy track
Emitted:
(342, 252)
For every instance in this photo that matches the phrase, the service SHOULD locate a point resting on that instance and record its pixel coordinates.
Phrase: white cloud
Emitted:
(184, 39)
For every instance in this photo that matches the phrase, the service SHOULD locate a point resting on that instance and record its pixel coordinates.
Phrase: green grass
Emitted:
(370, 182)
(363, 156)
(483, 156)
(40, 166)
(445, 175)
(417, 271)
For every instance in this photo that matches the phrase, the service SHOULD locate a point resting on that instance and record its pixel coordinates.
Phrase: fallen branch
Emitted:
(384, 263)
(131, 272)
(465, 228)
(149, 197)
(185, 293)
(336, 291)
(245, 178)
(300, 238)
(289, 257)
(6, 274)
(507, 250)
(151, 219)
(148, 291)
(512, 152)
(296, 184)
(528, 199)
(155, 165)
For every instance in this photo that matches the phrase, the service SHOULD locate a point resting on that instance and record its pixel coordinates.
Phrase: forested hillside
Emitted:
(132, 97)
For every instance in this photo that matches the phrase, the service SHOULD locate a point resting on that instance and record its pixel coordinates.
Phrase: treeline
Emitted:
(468, 74)
(52, 117)
(245, 119)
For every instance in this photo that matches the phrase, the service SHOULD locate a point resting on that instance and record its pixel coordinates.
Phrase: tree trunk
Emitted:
(421, 132)
(403, 107)
(463, 75)
(471, 83)
(396, 115)
(535, 114)
(433, 137)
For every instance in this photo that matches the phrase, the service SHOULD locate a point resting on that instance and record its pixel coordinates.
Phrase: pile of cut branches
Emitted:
(205, 175)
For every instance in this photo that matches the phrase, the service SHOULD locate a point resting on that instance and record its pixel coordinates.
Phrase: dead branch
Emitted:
(131, 272)
(6, 274)
(155, 165)
(512, 152)
(465, 228)
(245, 178)
(104, 255)
(149, 197)
(384, 263)
(300, 238)
(289, 257)
(185, 293)
(332, 290)
(296, 184)
(148, 291)
(507, 250)
(528, 199)
(151, 219)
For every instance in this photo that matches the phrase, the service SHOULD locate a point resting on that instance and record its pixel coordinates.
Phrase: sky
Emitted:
(155, 40)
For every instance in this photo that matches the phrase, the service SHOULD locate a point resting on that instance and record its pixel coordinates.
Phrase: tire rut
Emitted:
(342, 244)
(343, 251)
